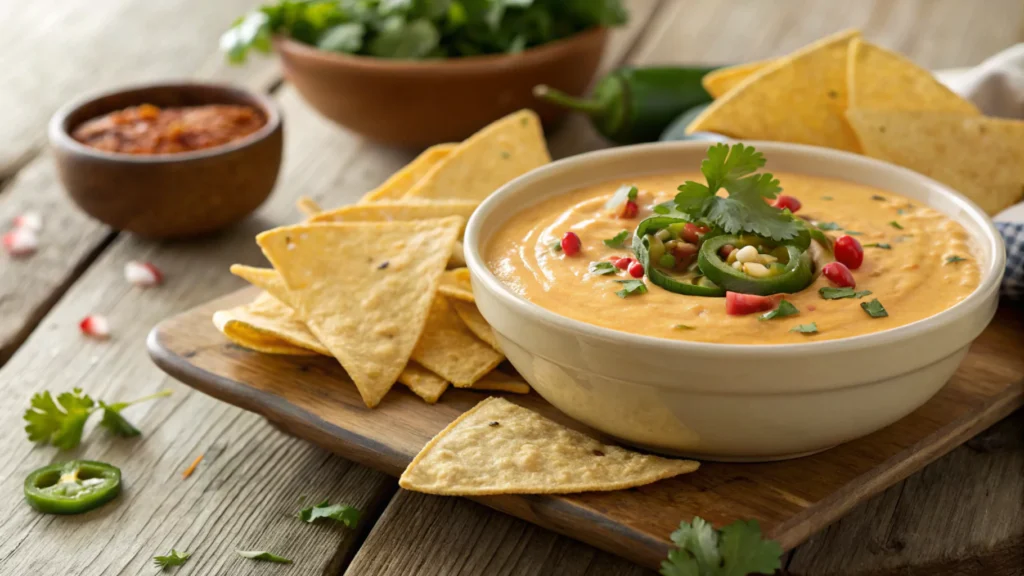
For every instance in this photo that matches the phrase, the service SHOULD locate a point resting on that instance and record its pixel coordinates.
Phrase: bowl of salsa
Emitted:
(169, 160)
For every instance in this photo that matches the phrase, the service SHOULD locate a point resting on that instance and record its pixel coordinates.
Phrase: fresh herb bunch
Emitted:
(735, 550)
(418, 29)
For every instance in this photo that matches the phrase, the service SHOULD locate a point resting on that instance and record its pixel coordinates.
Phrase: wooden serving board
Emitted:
(311, 397)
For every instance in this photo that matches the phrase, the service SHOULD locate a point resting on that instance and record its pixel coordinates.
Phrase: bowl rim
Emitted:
(471, 64)
(60, 137)
(482, 275)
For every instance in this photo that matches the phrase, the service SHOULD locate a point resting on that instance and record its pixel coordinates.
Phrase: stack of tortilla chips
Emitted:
(843, 92)
(381, 285)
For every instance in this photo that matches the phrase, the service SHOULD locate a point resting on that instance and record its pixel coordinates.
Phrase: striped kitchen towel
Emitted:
(1013, 281)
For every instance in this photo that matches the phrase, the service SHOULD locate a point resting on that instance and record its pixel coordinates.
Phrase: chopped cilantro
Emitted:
(60, 422)
(828, 226)
(347, 515)
(896, 225)
(734, 550)
(173, 558)
(745, 209)
(830, 293)
(631, 288)
(901, 211)
(556, 245)
(601, 268)
(879, 198)
(874, 309)
(853, 233)
(954, 259)
(621, 196)
(826, 197)
(659, 209)
(505, 155)
(805, 328)
(263, 556)
(683, 327)
(618, 240)
(882, 245)
(784, 309)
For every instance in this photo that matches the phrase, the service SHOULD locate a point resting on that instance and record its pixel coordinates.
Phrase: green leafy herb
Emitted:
(621, 196)
(954, 259)
(61, 422)
(826, 198)
(745, 209)
(830, 293)
(874, 309)
(784, 309)
(805, 328)
(602, 268)
(618, 240)
(896, 225)
(556, 245)
(853, 233)
(735, 550)
(631, 288)
(828, 226)
(174, 558)
(684, 327)
(879, 198)
(347, 515)
(661, 209)
(263, 556)
(882, 245)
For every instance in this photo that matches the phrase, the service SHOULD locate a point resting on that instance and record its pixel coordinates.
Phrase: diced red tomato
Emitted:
(684, 253)
(623, 263)
(790, 202)
(636, 270)
(692, 232)
(838, 274)
(571, 244)
(724, 251)
(629, 209)
(738, 304)
(849, 251)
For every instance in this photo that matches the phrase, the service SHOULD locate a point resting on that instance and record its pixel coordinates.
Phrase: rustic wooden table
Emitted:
(961, 515)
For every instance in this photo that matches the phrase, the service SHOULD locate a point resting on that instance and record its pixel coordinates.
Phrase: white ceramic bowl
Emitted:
(730, 401)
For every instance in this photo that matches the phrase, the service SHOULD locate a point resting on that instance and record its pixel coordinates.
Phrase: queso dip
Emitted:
(916, 263)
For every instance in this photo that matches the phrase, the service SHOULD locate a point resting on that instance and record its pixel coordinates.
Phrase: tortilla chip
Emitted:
(799, 98)
(718, 82)
(397, 211)
(475, 321)
(455, 284)
(882, 80)
(500, 382)
(399, 184)
(979, 157)
(364, 289)
(308, 206)
(423, 382)
(498, 447)
(458, 259)
(245, 336)
(269, 319)
(449, 349)
(487, 160)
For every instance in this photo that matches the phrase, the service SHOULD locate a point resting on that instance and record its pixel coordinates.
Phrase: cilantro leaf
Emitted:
(879, 198)
(954, 259)
(830, 293)
(114, 422)
(826, 198)
(621, 196)
(173, 558)
(631, 288)
(828, 226)
(618, 240)
(784, 309)
(556, 245)
(805, 328)
(882, 245)
(735, 550)
(874, 309)
(896, 225)
(684, 327)
(58, 422)
(347, 515)
(602, 268)
(853, 233)
(263, 556)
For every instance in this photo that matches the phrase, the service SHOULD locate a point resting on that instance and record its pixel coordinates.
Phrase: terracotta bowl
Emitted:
(169, 195)
(420, 103)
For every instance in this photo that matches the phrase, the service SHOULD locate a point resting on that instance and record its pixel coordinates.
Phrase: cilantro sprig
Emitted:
(744, 210)
(734, 550)
(631, 288)
(263, 556)
(602, 268)
(784, 309)
(60, 422)
(618, 240)
(343, 513)
(173, 558)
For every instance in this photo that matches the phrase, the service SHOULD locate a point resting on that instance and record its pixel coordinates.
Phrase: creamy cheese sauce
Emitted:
(913, 280)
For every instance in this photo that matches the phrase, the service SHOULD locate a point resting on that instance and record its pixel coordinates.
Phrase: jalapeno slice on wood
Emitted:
(72, 487)
(796, 276)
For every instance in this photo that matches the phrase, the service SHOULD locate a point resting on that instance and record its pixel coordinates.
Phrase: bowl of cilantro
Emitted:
(421, 72)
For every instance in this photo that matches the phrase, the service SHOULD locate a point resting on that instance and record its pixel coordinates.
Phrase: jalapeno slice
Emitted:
(796, 276)
(72, 487)
(641, 248)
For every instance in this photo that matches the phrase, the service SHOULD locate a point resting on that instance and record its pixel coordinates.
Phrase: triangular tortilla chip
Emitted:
(423, 382)
(266, 279)
(499, 381)
(980, 157)
(475, 321)
(399, 184)
(498, 447)
(487, 160)
(718, 82)
(269, 320)
(882, 80)
(449, 349)
(455, 284)
(397, 211)
(364, 289)
(799, 98)
(308, 206)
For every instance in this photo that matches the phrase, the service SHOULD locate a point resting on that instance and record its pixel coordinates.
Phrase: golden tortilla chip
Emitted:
(487, 160)
(399, 184)
(882, 80)
(475, 321)
(498, 447)
(268, 319)
(397, 211)
(799, 98)
(980, 157)
(308, 206)
(423, 382)
(718, 82)
(501, 382)
(449, 349)
(364, 289)
(458, 259)
(456, 284)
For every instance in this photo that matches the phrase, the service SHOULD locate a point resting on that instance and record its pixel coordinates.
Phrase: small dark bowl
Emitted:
(169, 195)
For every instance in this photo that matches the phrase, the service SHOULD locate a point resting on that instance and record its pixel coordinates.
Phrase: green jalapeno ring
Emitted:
(72, 487)
(797, 275)
(641, 248)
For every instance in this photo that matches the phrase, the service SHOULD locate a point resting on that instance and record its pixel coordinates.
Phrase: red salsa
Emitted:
(147, 129)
